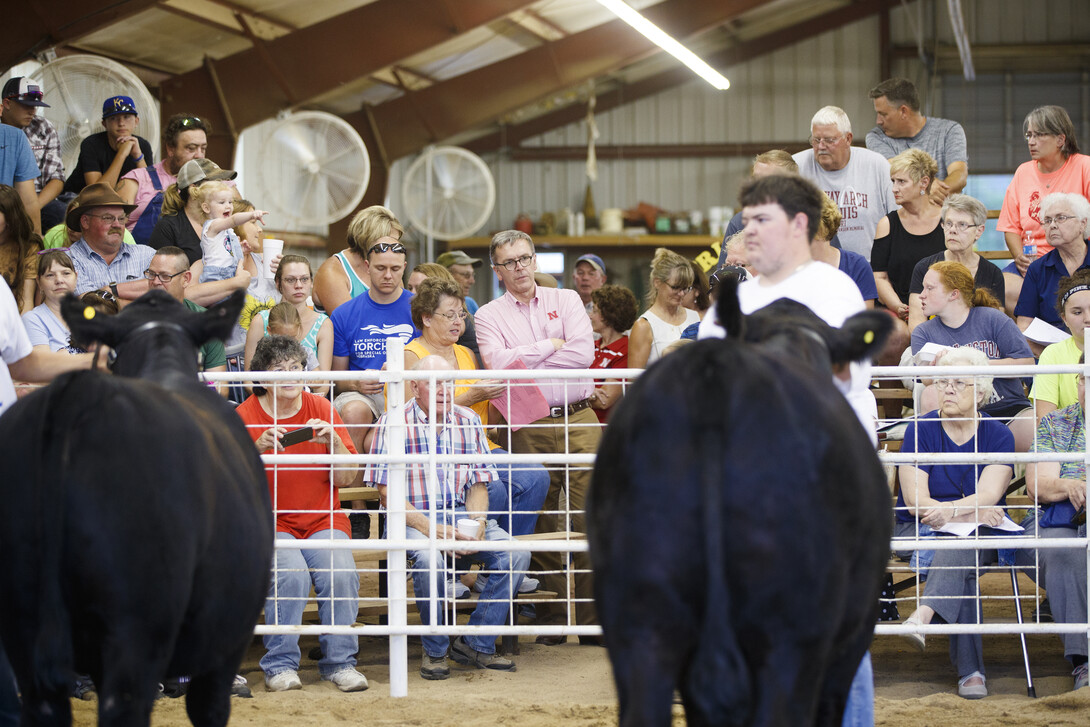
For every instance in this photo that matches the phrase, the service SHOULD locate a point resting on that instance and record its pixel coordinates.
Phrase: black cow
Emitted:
(739, 525)
(136, 527)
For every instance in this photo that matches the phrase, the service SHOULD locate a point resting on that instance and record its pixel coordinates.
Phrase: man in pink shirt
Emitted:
(185, 138)
(546, 328)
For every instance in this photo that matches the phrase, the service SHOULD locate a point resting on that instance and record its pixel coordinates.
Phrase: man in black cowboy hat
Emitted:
(109, 155)
(102, 260)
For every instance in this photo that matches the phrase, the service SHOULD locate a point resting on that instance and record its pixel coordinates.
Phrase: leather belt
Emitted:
(558, 411)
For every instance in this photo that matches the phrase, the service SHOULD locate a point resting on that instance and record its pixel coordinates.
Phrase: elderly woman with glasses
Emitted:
(1055, 165)
(933, 496)
(966, 316)
(662, 323)
(1065, 220)
(282, 417)
(1060, 488)
(439, 311)
(963, 221)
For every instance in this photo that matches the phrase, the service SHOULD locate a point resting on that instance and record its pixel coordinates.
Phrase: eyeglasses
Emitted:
(1058, 219)
(161, 277)
(522, 262)
(112, 219)
(679, 288)
(959, 226)
(301, 280)
(826, 140)
(459, 315)
(387, 247)
(958, 384)
(1031, 135)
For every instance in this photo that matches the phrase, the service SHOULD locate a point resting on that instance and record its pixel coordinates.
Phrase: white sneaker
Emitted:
(456, 589)
(283, 681)
(349, 680)
(529, 585)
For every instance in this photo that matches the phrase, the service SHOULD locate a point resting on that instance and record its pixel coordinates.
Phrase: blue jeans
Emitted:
(859, 711)
(527, 484)
(506, 571)
(334, 574)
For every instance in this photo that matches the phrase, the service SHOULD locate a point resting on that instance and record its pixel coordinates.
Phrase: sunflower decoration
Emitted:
(252, 307)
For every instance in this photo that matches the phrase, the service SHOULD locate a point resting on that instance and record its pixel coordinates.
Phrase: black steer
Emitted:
(739, 525)
(136, 528)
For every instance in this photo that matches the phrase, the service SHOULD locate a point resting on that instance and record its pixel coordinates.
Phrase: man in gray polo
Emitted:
(901, 126)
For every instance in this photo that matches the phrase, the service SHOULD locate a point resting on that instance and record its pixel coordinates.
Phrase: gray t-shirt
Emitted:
(943, 139)
(861, 190)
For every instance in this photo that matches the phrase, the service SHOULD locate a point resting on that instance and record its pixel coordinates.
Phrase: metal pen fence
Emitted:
(382, 562)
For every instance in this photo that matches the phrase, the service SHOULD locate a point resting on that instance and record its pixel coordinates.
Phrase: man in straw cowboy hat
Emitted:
(102, 261)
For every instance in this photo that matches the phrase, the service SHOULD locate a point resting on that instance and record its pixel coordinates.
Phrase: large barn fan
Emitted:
(448, 193)
(76, 86)
(314, 168)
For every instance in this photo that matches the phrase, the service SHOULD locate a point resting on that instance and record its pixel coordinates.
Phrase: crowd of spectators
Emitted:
(895, 231)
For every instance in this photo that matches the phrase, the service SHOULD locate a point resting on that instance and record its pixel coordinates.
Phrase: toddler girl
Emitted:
(220, 247)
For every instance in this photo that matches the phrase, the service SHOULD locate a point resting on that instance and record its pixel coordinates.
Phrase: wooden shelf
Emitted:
(599, 241)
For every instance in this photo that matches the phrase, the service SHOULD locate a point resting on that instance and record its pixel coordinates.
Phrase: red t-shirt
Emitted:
(302, 495)
(613, 356)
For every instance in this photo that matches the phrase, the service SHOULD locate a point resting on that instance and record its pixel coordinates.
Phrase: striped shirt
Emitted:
(460, 433)
(94, 272)
(1063, 431)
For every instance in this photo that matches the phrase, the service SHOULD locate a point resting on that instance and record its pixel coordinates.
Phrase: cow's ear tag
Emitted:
(868, 337)
(89, 312)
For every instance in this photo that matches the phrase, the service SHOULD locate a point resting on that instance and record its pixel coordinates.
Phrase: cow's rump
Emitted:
(738, 524)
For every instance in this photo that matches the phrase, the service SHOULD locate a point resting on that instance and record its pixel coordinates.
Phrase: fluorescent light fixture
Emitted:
(657, 36)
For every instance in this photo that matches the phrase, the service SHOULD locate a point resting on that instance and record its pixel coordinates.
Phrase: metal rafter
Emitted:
(513, 134)
(413, 121)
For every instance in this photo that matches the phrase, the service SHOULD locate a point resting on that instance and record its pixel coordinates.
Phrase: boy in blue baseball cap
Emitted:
(110, 154)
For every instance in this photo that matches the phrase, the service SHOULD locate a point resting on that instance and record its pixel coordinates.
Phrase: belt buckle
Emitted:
(556, 411)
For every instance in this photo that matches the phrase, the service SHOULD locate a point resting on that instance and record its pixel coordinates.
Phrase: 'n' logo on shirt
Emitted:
(553, 315)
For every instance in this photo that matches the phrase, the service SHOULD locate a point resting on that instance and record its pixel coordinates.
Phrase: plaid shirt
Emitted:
(93, 271)
(46, 145)
(460, 433)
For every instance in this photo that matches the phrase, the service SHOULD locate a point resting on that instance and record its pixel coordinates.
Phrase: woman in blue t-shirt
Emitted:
(932, 496)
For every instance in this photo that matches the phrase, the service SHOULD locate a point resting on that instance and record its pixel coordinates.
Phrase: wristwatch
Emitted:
(113, 289)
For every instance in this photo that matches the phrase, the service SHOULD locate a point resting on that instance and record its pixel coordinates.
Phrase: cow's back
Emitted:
(147, 511)
(736, 502)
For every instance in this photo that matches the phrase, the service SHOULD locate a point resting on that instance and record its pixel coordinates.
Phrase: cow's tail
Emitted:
(719, 677)
(49, 444)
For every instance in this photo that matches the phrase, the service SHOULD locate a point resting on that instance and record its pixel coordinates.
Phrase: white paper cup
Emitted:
(469, 527)
(270, 248)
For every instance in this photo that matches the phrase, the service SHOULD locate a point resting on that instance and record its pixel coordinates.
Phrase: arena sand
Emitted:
(571, 685)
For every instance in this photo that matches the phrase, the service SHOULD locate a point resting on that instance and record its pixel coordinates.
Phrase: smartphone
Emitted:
(1079, 517)
(296, 436)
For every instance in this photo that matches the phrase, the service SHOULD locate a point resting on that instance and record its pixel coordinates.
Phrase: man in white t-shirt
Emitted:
(856, 179)
(780, 214)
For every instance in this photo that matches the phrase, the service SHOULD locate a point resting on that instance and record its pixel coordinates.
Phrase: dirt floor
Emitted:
(571, 685)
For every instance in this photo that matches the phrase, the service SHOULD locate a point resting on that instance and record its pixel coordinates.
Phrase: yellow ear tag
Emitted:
(89, 313)
(868, 337)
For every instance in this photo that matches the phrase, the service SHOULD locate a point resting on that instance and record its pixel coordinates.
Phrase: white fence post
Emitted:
(395, 522)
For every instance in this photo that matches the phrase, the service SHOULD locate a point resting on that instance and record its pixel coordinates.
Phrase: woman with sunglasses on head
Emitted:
(662, 323)
(1055, 165)
(18, 243)
(933, 496)
(344, 276)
